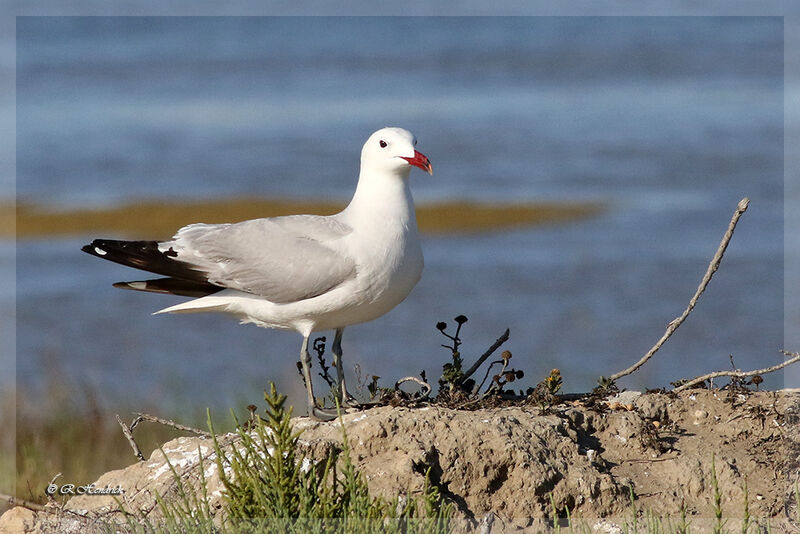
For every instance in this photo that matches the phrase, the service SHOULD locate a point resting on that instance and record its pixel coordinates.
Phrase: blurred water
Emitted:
(668, 120)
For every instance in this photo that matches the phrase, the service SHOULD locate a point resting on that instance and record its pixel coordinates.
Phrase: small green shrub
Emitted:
(270, 486)
(269, 483)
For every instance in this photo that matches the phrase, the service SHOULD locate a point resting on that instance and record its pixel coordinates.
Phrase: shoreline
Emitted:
(158, 220)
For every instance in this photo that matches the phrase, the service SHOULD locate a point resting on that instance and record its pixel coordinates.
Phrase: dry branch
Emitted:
(166, 422)
(126, 430)
(712, 268)
(50, 494)
(36, 507)
(13, 501)
(795, 356)
(469, 372)
(425, 387)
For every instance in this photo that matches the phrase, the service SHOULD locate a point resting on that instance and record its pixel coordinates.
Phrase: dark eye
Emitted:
(383, 143)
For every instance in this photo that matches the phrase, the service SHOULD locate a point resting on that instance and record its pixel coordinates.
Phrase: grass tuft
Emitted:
(746, 516)
(271, 486)
(718, 522)
(268, 481)
(683, 526)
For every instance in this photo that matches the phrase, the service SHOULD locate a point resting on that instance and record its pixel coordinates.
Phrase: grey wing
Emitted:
(283, 259)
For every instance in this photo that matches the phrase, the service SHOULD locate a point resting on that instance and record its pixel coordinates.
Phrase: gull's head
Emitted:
(392, 150)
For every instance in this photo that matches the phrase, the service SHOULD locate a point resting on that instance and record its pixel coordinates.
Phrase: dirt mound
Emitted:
(515, 467)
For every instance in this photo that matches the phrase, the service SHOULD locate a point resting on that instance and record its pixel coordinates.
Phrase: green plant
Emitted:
(683, 526)
(556, 519)
(634, 525)
(456, 383)
(718, 522)
(746, 516)
(189, 512)
(797, 502)
(452, 373)
(271, 486)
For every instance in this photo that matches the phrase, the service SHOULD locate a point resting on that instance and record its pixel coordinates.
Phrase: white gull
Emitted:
(299, 272)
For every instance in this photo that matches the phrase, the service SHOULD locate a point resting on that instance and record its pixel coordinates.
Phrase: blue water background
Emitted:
(670, 121)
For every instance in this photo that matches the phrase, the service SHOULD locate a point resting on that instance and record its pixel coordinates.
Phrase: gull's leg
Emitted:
(345, 398)
(313, 410)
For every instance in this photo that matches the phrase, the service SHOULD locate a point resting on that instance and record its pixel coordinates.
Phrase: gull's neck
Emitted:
(382, 198)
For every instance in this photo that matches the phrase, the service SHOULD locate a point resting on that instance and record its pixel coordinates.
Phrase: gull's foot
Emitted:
(351, 402)
(322, 414)
(353, 405)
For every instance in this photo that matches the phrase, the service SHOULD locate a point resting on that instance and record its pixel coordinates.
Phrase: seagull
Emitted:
(298, 272)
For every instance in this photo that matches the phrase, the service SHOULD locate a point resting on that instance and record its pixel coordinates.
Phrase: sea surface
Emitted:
(668, 121)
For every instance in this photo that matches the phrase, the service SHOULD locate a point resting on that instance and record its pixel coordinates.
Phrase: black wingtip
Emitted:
(96, 248)
(99, 247)
(144, 255)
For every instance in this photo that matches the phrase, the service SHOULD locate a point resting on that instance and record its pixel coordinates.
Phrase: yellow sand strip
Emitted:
(159, 220)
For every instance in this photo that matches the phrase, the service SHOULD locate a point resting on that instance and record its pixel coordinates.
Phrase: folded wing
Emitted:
(283, 259)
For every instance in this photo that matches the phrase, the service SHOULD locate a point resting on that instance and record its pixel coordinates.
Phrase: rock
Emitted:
(653, 406)
(607, 527)
(18, 520)
(625, 398)
(699, 417)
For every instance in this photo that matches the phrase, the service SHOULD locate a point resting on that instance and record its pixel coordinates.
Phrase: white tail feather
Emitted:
(203, 304)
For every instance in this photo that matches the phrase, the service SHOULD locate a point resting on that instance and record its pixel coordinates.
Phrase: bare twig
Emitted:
(166, 422)
(649, 460)
(496, 345)
(495, 386)
(478, 387)
(712, 268)
(36, 507)
(56, 508)
(795, 356)
(51, 485)
(13, 501)
(126, 430)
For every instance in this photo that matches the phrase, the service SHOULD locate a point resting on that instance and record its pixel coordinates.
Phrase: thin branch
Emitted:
(126, 430)
(57, 508)
(478, 387)
(13, 501)
(712, 268)
(795, 356)
(36, 507)
(496, 345)
(495, 385)
(166, 422)
(51, 485)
